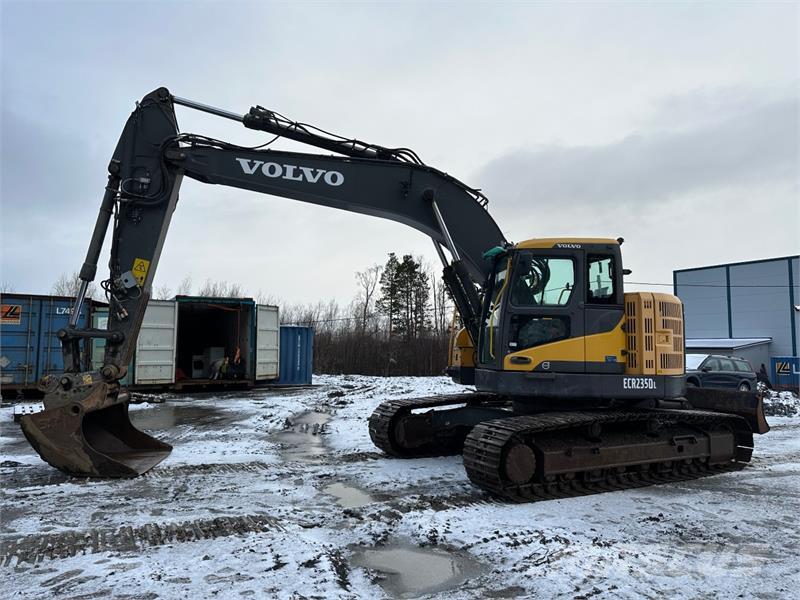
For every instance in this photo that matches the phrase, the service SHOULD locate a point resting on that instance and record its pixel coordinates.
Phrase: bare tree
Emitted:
(368, 282)
(441, 303)
(221, 289)
(185, 287)
(162, 292)
(235, 290)
(6, 287)
(210, 289)
(68, 285)
(270, 299)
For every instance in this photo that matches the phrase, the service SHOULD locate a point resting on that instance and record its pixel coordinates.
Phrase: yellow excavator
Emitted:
(579, 386)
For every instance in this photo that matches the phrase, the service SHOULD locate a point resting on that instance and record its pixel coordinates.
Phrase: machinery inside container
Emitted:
(208, 334)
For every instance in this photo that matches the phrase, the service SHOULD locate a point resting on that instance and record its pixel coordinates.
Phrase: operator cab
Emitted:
(554, 306)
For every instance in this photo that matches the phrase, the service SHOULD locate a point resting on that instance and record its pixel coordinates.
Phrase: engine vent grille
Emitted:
(655, 336)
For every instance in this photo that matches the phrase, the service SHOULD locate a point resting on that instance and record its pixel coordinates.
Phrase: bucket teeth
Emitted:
(93, 437)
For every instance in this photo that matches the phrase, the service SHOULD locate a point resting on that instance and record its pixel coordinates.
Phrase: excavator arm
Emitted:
(85, 429)
(152, 158)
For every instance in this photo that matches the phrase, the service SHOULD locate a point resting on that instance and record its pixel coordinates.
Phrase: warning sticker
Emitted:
(11, 313)
(140, 268)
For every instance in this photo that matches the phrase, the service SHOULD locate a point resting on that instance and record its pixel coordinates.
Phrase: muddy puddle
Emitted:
(408, 572)
(348, 496)
(167, 416)
(302, 438)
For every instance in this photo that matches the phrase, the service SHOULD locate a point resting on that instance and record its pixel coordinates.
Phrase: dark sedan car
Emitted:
(712, 371)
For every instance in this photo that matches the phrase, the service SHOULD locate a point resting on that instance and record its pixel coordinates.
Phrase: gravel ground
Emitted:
(281, 494)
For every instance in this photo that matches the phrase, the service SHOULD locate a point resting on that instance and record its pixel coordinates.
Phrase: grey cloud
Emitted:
(759, 145)
(42, 165)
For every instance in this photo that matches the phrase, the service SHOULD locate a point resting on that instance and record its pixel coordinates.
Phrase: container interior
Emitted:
(209, 331)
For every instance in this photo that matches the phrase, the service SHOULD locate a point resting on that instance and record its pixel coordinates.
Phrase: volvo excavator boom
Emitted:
(579, 385)
(145, 174)
(152, 157)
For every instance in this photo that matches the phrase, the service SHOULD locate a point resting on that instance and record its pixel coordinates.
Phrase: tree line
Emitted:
(398, 323)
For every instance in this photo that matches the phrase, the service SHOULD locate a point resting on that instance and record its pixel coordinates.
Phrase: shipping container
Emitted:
(178, 345)
(29, 344)
(785, 372)
(296, 355)
(183, 341)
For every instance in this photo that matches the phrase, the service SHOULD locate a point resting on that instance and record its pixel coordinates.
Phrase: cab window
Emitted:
(600, 283)
(543, 281)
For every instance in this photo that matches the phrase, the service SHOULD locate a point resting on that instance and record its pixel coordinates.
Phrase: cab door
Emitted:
(491, 344)
(544, 318)
(604, 311)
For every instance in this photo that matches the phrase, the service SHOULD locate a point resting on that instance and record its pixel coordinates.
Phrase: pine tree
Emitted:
(388, 302)
(405, 296)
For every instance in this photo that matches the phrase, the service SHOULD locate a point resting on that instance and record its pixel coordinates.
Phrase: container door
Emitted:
(155, 347)
(19, 339)
(267, 347)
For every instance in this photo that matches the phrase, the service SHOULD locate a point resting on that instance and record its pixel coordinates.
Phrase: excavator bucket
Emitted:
(93, 437)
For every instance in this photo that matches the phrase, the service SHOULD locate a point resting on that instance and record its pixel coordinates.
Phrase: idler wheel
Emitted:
(520, 463)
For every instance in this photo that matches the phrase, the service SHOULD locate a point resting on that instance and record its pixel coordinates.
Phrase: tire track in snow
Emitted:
(38, 547)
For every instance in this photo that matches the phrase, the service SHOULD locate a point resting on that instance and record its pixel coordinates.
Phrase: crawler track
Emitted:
(487, 449)
(384, 422)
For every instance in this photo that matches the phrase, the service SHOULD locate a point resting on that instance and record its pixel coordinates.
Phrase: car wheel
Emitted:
(691, 384)
(744, 387)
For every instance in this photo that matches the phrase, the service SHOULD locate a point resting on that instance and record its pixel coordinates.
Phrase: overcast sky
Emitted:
(674, 126)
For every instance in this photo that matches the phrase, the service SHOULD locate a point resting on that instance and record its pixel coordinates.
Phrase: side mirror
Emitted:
(706, 369)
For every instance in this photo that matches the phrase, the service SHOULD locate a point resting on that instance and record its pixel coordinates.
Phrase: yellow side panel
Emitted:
(462, 352)
(571, 349)
(602, 345)
(590, 348)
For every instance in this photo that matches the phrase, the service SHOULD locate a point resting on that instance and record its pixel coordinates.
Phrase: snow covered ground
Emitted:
(280, 493)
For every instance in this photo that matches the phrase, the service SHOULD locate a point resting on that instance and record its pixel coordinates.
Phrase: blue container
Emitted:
(297, 355)
(29, 346)
(785, 372)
